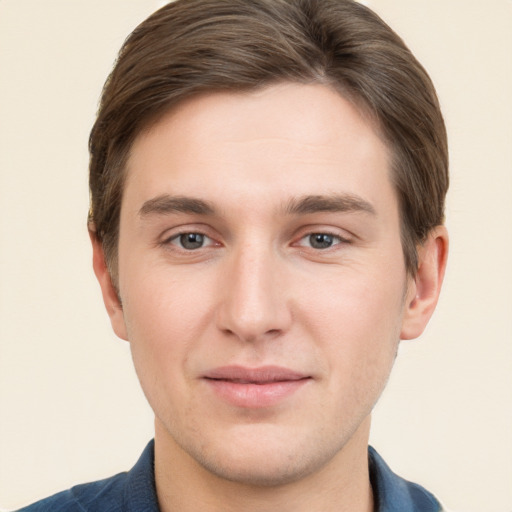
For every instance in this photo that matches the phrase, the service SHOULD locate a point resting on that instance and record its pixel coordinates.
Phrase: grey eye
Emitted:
(321, 240)
(191, 241)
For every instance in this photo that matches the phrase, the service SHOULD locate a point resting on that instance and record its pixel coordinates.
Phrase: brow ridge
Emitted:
(309, 204)
(167, 204)
(329, 203)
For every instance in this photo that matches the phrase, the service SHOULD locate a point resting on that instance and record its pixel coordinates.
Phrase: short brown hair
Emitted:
(192, 47)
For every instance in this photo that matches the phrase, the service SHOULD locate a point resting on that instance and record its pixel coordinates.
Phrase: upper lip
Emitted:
(260, 375)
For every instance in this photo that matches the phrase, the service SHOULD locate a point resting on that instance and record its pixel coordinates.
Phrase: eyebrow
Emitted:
(331, 203)
(166, 204)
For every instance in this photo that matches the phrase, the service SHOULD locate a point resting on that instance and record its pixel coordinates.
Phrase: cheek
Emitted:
(357, 325)
(163, 317)
(162, 303)
(161, 334)
(356, 305)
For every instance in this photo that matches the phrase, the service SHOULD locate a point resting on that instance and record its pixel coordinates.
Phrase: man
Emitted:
(267, 192)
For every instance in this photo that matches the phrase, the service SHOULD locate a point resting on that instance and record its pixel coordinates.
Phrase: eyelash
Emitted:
(335, 239)
(178, 240)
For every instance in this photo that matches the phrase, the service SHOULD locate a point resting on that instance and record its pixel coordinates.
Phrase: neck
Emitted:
(341, 485)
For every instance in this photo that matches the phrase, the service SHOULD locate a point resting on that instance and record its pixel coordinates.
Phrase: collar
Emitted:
(394, 494)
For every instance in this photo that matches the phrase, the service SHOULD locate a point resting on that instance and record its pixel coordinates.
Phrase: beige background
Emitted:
(70, 406)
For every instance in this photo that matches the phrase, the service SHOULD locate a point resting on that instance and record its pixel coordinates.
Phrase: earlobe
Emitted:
(425, 286)
(109, 292)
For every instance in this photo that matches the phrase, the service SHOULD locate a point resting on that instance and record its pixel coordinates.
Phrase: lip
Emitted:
(254, 387)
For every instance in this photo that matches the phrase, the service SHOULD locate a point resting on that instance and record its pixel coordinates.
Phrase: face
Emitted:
(262, 278)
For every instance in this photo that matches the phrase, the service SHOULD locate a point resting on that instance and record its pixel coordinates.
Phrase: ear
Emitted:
(424, 288)
(108, 290)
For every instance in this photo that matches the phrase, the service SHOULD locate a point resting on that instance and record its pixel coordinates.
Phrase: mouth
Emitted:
(254, 387)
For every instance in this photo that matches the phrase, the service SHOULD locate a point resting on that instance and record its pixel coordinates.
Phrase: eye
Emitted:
(190, 241)
(321, 240)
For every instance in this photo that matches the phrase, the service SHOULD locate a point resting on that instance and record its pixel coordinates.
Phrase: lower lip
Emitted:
(255, 396)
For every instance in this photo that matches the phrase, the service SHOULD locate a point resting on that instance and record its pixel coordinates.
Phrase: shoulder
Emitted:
(132, 491)
(101, 496)
(394, 494)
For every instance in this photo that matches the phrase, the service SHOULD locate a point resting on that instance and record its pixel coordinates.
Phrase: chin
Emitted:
(260, 470)
(268, 459)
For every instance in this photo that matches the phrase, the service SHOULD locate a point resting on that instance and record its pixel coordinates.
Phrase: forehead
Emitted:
(285, 139)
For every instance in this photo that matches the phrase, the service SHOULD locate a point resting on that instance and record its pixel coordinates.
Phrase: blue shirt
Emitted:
(135, 491)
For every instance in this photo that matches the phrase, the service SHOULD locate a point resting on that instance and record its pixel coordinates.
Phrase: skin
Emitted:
(293, 260)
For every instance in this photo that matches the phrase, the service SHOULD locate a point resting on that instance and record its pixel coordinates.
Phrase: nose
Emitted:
(254, 301)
